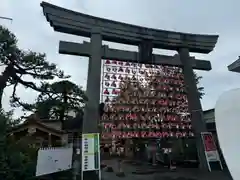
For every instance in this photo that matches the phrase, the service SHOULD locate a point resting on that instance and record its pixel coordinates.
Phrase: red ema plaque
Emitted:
(209, 143)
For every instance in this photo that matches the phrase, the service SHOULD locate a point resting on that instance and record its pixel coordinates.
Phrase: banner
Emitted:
(210, 148)
(209, 143)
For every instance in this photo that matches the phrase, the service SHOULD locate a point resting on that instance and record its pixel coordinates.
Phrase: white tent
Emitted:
(227, 117)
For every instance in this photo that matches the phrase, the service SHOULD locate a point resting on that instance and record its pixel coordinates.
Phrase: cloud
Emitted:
(210, 17)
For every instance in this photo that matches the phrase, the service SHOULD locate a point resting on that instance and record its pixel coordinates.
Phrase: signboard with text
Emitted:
(210, 148)
(90, 152)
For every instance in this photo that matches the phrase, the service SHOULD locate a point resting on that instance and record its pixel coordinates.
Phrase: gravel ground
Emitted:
(161, 174)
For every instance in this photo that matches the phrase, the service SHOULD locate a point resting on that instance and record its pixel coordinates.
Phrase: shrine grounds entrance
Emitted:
(160, 99)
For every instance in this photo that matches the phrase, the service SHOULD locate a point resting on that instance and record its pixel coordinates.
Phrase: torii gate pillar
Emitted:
(194, 104)
(91, 114)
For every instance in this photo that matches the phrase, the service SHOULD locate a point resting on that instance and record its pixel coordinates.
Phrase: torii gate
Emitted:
(98, 29)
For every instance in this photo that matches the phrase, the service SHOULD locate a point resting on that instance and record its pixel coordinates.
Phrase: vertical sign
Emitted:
(209, 143)
(90, 152)
(210, 148)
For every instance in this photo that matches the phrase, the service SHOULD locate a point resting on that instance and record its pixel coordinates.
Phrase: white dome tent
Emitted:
(227, 113)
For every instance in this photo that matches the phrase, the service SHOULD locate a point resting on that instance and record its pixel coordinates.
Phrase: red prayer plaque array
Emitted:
(143, 101)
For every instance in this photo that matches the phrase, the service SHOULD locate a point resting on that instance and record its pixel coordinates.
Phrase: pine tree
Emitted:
(59, 100)
(17, 159)
(19, 64)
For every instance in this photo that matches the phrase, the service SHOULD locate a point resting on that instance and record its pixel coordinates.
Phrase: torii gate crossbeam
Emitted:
(83, 49)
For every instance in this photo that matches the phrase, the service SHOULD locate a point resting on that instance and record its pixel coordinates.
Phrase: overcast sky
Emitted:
(201, 17)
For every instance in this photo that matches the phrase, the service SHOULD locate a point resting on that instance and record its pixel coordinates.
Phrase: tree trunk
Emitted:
(1, 92)
(63, 108)
(3, 82)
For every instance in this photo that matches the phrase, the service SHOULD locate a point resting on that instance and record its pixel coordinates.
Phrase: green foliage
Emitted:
(17, 159)
(59, 99)
(200, 89)
(20, 64)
